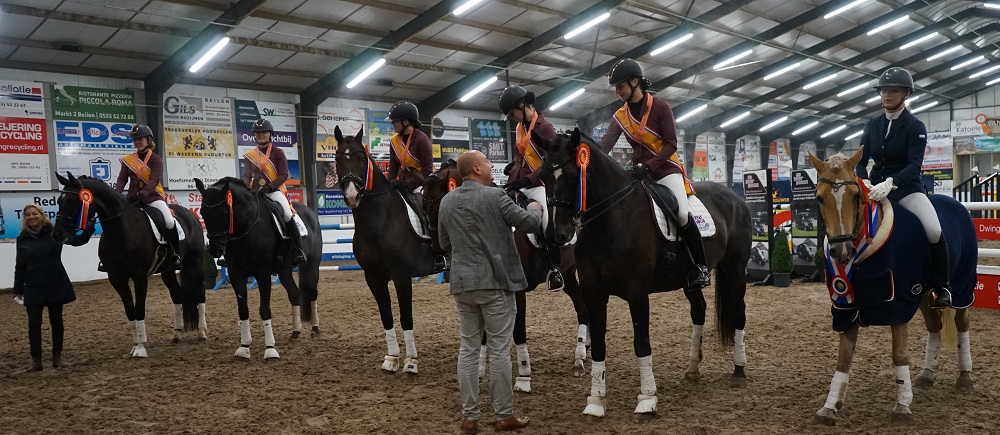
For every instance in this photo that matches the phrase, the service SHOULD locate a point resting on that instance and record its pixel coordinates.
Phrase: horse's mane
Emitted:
(837, 161)
(231, 181)
(450, 164)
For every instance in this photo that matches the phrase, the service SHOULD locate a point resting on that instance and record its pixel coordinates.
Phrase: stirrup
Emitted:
(441, 263)
(555, 280)
(941, 297)
(700, 278)
(101, 268)
(299, 257)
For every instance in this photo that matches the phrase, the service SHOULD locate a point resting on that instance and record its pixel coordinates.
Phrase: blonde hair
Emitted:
(45, 219)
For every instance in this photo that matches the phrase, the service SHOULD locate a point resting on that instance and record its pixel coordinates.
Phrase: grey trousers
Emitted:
(491, 312)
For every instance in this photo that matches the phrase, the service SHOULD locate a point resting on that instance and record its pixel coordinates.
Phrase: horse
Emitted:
(130, 251)
(620, 252)
(385, 244)
(870, 285)
(535, 263)
(241, 226)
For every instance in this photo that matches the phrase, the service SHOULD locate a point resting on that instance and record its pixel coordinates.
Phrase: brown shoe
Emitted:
(470, 426)
(510, 423)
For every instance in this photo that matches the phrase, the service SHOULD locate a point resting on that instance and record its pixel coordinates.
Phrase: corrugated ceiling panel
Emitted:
(54, 57)
(18, 26)
(144, 42)
(120, 64)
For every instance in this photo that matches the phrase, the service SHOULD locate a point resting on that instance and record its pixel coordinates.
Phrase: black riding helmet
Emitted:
(624, 70)
(405, 110)
(262, 125)
(512, 96)
(896, 77)
(140, 130)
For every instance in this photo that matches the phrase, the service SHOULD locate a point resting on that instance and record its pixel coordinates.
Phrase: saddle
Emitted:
(415, 213)
(664, 206)
(158, 225)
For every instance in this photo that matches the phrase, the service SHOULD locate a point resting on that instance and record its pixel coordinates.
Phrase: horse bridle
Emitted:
(64, 218)
(583, 217)
(225, 235)
(837, 185)
(358, 183)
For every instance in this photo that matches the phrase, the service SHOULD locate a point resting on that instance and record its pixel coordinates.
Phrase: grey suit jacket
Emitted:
(474, 223)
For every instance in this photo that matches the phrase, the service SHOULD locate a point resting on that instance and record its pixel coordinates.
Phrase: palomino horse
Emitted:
(240, 225)
(385, 244)
(535, 263)
(878, 263)
(129, 251)
(620, 252)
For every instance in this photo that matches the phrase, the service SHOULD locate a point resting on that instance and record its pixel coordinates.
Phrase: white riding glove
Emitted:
(879, 191)
(868, 183)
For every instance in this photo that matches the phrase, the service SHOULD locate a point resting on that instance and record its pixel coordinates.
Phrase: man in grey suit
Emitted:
(475, 225)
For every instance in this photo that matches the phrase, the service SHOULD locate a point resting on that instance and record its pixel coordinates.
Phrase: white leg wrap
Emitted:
(964, 352)
(315, 313)
(523, 360)
(391, 344)
(697, 332)
(131, 330)
(932, 355)
(245, 338)
(202, 322)
(904, 389)
(178, 317)
(140, 331)
(740, 349)
(411, 344)
(482, 362)
(268, 333)
(647, 383)
(838, 391)
(598, 385)
(581, 340)
(296, 318)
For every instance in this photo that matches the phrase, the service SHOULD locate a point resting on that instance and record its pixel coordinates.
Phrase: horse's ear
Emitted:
(575, 136)
(199, 185)
(853, 161)
(360, 135)
(816, 162)
(62, 180)
(337, 134)
(70, 176)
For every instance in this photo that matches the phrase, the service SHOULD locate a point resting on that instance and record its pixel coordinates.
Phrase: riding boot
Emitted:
(554, 279)
(298, 255)
(698, 276)
(442, 263)
(941, 292)
(175, 244)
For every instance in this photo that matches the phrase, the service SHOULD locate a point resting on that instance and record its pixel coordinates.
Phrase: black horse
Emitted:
(241, 226)
(129, 251)
(620, 252)
(535, 263)
(385, 244)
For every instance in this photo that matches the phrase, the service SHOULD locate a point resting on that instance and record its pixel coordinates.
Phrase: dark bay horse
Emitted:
(129, 251)
(385, 244)
(878, 274)
(240, 225)
(535, 263)
(620, 252)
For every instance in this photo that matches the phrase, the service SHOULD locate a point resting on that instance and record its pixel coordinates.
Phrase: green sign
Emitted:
(93, 104)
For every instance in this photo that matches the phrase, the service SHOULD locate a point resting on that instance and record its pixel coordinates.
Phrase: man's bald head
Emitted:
(473, 165)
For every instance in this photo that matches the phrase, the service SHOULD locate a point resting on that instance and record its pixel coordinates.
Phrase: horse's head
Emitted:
(217, 211)
(840, 202)
(561, 175)
(75, 203)
(436, 186)
(358, 174)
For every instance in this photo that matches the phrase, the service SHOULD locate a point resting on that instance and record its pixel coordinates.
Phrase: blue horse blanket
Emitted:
(888, 285)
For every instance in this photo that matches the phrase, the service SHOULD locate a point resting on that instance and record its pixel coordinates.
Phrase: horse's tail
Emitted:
(192, 268)
(309, 271)
(730, 307)
(949, 331)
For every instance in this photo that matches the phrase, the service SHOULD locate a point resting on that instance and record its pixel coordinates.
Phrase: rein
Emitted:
(584, 216)
(228, 201)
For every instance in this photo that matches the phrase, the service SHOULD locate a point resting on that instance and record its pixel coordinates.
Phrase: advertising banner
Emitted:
(805, 148)
(449, 137)
(379, 134)
(12, 210)
(92, 127)
(285, 136)
(805, 220)
(680, 147)
(780, 159)
(757, 191)
(350, 121)
(699, 170)
(24, 142)
(717, 164)
(489, 138)
(939, 162)
(331, 203)
(198, 140)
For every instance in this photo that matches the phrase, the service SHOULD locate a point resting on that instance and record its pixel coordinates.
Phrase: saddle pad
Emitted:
(159, 237)
(534, 240)
(702, 218)
(280, 225)
(414, 218)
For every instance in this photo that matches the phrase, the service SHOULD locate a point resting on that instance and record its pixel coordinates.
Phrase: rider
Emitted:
(411, 152)
(895, 140)
(265, 171)
(143, 171)
(648, 124)
(518, 104)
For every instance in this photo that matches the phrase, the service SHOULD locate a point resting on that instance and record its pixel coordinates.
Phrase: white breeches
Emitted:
(918, 204)
(538, 194)
(161, 207)
(280, 198)
(675, 182)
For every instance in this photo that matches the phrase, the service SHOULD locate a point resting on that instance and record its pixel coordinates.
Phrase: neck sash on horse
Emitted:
(263, 162)
(875, 229)
(402, 152)
(638, 132)
(526, 146)
(140, 167)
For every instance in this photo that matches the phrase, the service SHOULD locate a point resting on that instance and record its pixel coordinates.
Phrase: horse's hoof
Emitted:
(965, 382)
(274, 360)
(595, 407)
(523, 384)
(271, 354)
(243, 352)
(901, 414)
(390, 363)
(825, 416)
(482, 371)
(139, 352)
(202, 336)
(315, 332)
(924, 380)
(410, 365)
(295, 335)
(646, 405)
(692, 376)
(738, 382)
(579, 370)
(175, 340)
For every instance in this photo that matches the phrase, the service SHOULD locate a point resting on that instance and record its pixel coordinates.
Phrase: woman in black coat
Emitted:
(40, 280)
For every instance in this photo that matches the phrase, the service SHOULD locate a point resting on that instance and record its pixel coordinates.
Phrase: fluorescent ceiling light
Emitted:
(854, 135)
(568, 98)
(479, 88)
(985, 71)
(803, 129)
(733, 59)
(465, 7)
(367, 72)
(841, 127)
(782, 71)
(734, 119)
(873, 99)
(921, 39)
(210, 54)
(992, 5)
(773, 123)
(841, 9)
(688, 115)
(817, 82)
(912, 98)
(899, 20)
(993, 82)
(925, 107)
(968, 62)
(950, 50)
(854, 89)
(588, 25)
(671, 44)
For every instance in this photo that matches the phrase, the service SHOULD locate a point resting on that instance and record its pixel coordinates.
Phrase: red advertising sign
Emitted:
(987, 229)
(987, 291)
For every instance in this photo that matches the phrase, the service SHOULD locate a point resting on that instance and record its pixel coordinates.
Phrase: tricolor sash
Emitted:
(402, 152)
(140, 168)
(263, 162)
(638, 132)
(526, 146)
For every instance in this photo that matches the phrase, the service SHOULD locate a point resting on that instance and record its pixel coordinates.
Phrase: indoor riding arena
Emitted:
(291, 216)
